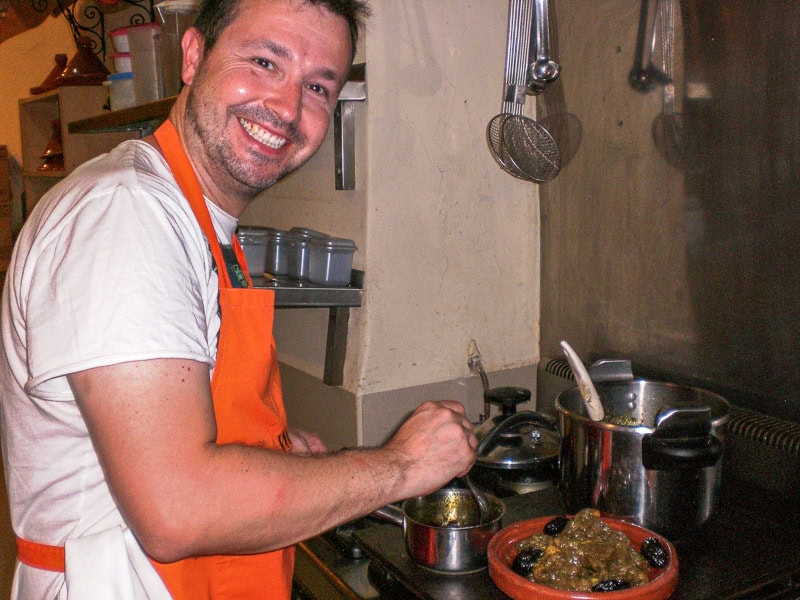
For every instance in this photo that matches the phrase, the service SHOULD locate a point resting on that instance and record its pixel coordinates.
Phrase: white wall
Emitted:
(448, 241)
(452, 238)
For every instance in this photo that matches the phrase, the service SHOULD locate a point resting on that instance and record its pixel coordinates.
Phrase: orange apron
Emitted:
(248, 406)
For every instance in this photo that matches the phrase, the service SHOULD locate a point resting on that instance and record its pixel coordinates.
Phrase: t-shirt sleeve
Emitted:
(124, 277)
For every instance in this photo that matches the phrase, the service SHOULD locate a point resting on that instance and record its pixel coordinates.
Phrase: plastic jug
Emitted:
(175, 17)
(148, 79)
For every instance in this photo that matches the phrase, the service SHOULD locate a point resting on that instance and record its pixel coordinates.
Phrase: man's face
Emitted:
(260, 100)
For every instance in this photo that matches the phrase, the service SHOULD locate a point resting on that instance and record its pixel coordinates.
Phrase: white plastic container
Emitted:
(175, 17)
(308, 232)
(254, 244)
(330, 260)
(121, 93)
(122, 62)
(297, 257)
(148, 75)
(277, 252)
(298, 251)
(119, 39)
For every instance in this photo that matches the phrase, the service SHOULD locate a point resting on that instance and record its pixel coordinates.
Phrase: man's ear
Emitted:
(192, 43)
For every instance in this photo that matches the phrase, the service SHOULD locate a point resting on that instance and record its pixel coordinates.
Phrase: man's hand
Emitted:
(437, 442)
(305, 442)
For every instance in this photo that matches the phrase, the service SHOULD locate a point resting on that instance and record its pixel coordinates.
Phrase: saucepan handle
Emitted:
(611, 369)
(389, 513)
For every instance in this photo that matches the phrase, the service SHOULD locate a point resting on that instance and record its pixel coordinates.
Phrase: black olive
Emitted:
(523, 563)
(556, 525)
(611, 585)
(654, 552)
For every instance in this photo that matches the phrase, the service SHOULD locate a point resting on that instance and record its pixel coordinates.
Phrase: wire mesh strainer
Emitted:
(520, 145)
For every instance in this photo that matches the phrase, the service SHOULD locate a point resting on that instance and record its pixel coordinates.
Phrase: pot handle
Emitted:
(492, 438)
(671, 454)
(611, 369)
(682, 440)
(390, 513)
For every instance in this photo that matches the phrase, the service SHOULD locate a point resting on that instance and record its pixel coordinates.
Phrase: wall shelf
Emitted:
(302, 294)
(338, 301)
(37, 115)
(136, 118)
(56, 174)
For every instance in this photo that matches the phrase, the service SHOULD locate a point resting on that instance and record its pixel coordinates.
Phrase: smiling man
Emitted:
(145, 441)
(259, 108)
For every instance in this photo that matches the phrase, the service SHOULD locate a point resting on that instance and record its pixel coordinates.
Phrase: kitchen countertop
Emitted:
(750, 541)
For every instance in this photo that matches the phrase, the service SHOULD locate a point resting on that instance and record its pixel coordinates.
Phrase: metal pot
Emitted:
(656, 459)
(517, 451)
(443, 532)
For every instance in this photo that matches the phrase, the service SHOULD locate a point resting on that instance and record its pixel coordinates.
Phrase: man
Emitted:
(144, 437)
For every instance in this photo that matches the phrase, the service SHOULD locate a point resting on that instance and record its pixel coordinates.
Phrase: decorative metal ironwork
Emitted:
(144, 11)
(92, 27)
(40, 5)
(90, 20)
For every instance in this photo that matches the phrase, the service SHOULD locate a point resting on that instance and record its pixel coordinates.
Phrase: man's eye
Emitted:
(264, 62)
(318, 89)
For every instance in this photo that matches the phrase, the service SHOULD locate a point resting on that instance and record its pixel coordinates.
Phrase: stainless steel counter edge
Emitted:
(297, 294)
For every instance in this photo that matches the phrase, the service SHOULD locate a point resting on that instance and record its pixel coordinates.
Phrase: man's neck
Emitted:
(231, 202)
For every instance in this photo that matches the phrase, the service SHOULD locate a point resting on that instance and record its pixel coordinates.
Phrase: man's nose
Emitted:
(286, 101)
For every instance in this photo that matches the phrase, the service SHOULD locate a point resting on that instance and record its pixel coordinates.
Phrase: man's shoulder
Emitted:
(132, 158)
(133, 169)
(130, 184)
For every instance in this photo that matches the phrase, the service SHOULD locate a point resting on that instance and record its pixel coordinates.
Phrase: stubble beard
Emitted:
(219, 151)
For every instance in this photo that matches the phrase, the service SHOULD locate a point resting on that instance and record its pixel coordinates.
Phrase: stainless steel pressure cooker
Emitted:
(655, 459)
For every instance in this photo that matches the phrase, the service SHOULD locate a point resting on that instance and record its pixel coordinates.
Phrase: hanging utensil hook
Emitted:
(543, 69)
(644, 78)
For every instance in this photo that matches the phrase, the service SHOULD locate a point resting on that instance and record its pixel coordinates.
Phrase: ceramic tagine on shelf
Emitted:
(53, 155)
(85, 68)
(50, 82)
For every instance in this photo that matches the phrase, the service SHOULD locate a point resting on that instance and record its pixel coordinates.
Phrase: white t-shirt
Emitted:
(111, 266)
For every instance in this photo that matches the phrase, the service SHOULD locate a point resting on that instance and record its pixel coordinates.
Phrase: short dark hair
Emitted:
(215, 15)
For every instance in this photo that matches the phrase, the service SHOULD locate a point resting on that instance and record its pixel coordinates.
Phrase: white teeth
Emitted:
(263, 136)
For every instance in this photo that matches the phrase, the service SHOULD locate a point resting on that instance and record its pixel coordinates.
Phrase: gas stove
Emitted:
(748, 550)
(333, 566)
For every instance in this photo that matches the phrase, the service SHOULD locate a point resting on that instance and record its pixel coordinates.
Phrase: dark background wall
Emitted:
(679, 253)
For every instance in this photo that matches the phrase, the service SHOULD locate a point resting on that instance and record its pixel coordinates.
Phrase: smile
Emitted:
(263, 136)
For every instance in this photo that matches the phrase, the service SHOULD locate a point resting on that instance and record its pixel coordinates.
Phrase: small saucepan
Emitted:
(443, 530)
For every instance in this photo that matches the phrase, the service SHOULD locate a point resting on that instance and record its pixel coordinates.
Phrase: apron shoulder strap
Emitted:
(172, 149)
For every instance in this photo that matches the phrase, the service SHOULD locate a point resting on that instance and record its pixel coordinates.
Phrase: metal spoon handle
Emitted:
(543, 68)
(480, 498)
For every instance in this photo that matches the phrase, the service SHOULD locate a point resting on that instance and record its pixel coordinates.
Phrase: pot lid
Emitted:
(523, 440)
